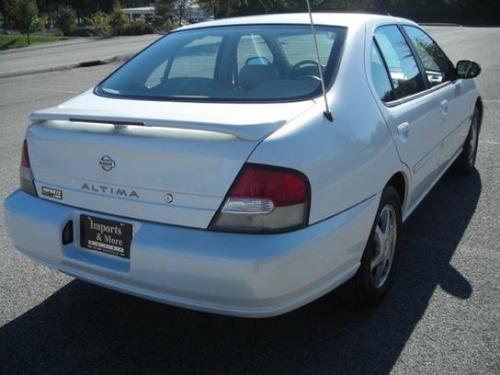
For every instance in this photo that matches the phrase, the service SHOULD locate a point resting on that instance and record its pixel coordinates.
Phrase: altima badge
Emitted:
(107, 163)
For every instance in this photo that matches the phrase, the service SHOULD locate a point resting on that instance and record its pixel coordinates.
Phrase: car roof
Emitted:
(349, 20)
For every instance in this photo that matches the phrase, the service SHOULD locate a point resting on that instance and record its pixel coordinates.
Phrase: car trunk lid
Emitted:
(159, 161)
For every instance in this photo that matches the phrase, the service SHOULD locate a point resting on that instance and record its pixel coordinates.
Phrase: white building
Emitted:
(135, 13)
(194, 13)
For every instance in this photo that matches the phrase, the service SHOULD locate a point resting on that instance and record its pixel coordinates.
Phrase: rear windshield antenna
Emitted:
(327, 112)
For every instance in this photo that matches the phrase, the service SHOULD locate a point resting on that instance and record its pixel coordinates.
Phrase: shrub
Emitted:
(100, 24)
(83, 30)
(163, 25)
(118, 21)
(65, 20)
(139, 27)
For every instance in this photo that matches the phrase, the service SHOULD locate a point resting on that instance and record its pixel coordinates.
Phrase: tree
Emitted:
(23, 14)
(164, 8)
(209, 6)
(181, 9)
(268, 6)
(100, 24)
(82, 8)
(272, 5)
(118, 20)
(223, 8)
(65, 20)
(168, 9)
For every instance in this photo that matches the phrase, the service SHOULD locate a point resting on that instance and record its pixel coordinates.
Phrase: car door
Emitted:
(414, 118)
(441, 76)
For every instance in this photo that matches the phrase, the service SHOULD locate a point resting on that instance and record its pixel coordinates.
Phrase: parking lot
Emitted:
(442, 316)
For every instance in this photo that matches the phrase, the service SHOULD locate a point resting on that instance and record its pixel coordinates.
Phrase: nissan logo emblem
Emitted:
(106, 163)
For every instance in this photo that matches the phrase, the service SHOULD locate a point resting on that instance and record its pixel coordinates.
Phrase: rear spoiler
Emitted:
(247, 132)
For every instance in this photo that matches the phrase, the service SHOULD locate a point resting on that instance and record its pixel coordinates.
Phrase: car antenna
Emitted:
(327, 113)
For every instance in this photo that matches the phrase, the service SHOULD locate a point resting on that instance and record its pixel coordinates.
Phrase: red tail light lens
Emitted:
(26, 176)
(25, 159)
(282, 187)
(265, 199)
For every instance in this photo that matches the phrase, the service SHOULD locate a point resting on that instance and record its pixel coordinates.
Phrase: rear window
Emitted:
(237, 63)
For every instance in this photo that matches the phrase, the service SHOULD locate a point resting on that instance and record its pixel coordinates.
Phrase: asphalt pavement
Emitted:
(441, 317)
(70, 53)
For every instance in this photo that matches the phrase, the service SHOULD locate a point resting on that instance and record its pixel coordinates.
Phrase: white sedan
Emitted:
(210, 171)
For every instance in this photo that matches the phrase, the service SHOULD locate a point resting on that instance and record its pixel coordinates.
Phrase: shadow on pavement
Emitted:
(86, 329)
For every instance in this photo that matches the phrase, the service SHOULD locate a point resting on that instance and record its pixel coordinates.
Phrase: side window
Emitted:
(251, 46)
(438, 67)
(196, 59)
(403, 68)
(379, 76)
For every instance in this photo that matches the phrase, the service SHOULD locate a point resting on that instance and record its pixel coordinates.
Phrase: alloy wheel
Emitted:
(385, 239)
(473, 142)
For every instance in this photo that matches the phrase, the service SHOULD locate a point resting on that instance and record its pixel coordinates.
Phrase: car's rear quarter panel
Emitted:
(347, 160)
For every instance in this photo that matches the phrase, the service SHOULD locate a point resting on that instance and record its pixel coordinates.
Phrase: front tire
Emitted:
(466, 162)
(373, 279)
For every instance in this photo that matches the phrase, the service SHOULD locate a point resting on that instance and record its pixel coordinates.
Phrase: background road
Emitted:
(53, 56)
(442, 316)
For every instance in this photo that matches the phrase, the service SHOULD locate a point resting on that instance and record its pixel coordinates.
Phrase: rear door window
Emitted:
(438, 68)
(403, 68)
(380, 77)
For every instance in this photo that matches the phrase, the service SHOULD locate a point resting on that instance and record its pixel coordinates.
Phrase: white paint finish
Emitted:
(343, 159)
(246, 121)
(196, 167)
(461, 96)
(235, 274)
(195, 150)
(435, 125)
(352, 21)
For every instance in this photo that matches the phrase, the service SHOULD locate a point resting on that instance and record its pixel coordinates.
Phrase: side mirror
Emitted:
(468, 69)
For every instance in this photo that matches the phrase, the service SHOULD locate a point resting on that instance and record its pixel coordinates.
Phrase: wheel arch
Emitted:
(399, 181)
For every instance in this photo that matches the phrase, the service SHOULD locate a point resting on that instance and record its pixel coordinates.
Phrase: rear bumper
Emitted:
(233, 274)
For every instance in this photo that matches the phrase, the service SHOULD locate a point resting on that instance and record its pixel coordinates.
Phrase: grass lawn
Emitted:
(16, 41)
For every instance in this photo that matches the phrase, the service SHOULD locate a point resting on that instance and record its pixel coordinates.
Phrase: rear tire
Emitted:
(466, 162)
(374, 276)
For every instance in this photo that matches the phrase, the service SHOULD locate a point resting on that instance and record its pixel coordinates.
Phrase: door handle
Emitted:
(404, 130)
(444, 107)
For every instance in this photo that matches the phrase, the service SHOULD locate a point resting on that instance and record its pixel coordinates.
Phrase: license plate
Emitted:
(105, 236)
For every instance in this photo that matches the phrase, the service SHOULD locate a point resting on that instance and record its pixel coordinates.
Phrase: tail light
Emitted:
(26, 176)
(265, 199)
(25, 159)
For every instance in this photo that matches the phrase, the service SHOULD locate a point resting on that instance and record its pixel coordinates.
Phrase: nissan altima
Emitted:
(248, 166)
